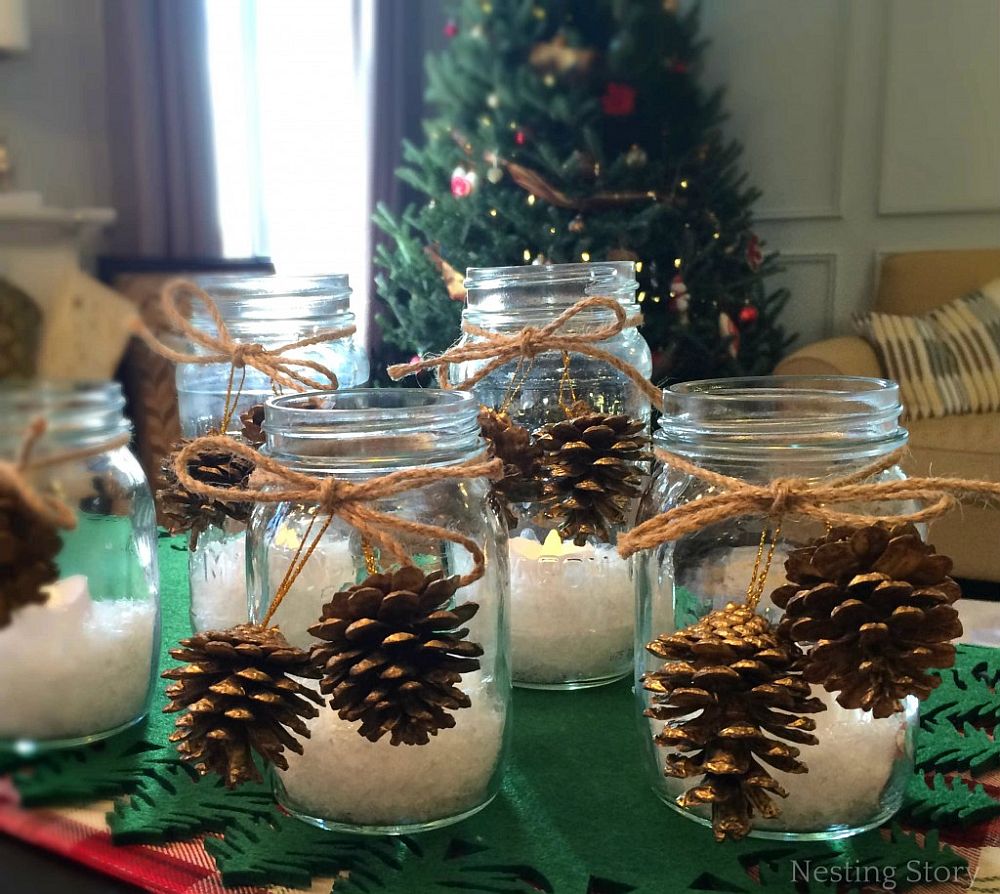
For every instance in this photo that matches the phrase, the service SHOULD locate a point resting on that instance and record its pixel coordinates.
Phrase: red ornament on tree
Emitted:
(463, 182)
(754, 255)
(618, 99)
(450, 29)
(520, 137)
(678, 66)
(748, 314)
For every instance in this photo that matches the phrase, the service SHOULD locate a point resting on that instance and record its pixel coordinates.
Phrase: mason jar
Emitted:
(756, 430)
(343, 780)
(272, 311)
(79, 664)
(572, 595)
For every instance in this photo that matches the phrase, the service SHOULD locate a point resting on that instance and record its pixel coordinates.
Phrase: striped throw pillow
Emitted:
(946, 362)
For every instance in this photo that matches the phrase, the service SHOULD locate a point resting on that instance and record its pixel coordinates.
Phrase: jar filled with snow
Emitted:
(79, 619)
(573, 433)
(372, 763)
(271, 311)
(757, 430)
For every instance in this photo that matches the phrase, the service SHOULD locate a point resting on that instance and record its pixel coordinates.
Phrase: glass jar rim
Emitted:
(274, 297)
(800, 416)
(74, 410)
(357, 429)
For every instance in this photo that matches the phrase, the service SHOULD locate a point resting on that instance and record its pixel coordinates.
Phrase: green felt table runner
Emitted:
(576, 814)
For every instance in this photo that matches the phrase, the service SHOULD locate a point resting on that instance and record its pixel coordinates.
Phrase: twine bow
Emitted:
(223, 348)
(531, 341)
(14, 481)
(803, 498)
(348, 500)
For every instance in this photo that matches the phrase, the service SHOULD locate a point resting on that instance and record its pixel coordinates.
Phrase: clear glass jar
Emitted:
(81, 665)
(274, 311)
(343, 781)
(759, 429)
(572, 605)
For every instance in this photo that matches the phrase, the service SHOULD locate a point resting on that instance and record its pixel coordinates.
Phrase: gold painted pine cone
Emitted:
(391, 654)
(877, 603)
(184, 511)
(238, 696)
(28, 550)
(731, 702)
(511, 443)
(591, 471)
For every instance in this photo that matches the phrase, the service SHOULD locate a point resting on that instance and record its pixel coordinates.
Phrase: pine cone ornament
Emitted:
(391, 654)
(28, 549)
(183, 511)
(253, 425)
(729, 696)
(239, 696)
(877, 603)
(512, 444)
(590, 472)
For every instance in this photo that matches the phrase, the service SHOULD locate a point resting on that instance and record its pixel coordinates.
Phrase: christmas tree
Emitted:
(569, 130)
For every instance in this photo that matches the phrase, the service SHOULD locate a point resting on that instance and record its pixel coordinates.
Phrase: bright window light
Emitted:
(290, 83)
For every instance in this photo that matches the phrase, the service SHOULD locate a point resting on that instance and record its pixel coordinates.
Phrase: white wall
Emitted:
(53, 111)
(870, 126)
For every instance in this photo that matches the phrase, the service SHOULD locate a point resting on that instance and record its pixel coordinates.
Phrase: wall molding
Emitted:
(827, 260)
(833, 210)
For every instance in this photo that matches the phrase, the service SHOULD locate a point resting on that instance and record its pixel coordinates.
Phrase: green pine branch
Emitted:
(948, 801)
(944, 748)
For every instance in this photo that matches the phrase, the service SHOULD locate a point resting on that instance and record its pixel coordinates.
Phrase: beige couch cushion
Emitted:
(967, 447)
(915, 282)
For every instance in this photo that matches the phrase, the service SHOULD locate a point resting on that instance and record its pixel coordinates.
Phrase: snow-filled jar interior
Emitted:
(756, 430)
(78, 664)
(343, 779)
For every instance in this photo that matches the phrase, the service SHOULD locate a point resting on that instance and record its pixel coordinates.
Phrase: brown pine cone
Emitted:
(253, 425)
(877, 603)
(511, 443)
(729, 695)
(182, 510)
(28, 550)
(238, 696)
(591, 471)
(391, 654)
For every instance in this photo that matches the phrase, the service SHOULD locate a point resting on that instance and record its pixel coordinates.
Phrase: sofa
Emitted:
(969, 445)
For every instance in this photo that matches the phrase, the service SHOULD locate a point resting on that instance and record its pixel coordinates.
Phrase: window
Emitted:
(291, 100)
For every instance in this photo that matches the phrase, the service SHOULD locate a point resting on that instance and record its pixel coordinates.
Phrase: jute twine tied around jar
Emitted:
(803, 498)
(223, 348)
(48, 508)
(529, 342)
(348, 500)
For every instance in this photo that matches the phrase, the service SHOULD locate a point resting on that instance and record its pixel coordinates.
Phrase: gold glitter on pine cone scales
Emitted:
(28, 550)
(877, 603)
(238, 696)
(511, 443)
(731, 701)
(183, 511)
(391, 654)
(590, 472)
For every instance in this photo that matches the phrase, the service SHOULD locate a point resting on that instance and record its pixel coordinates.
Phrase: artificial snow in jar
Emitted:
(757, 430)
(271, 311)
(360, 771)
(573, 431)
(77, 655)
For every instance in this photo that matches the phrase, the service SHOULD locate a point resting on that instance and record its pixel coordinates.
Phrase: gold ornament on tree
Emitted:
(732, 704)
(557, 57)
(512, 445)
(878, 604)
(391, 654)
(240, 694)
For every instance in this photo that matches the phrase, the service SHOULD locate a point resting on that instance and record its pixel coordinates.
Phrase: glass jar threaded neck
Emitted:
(366, 431)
